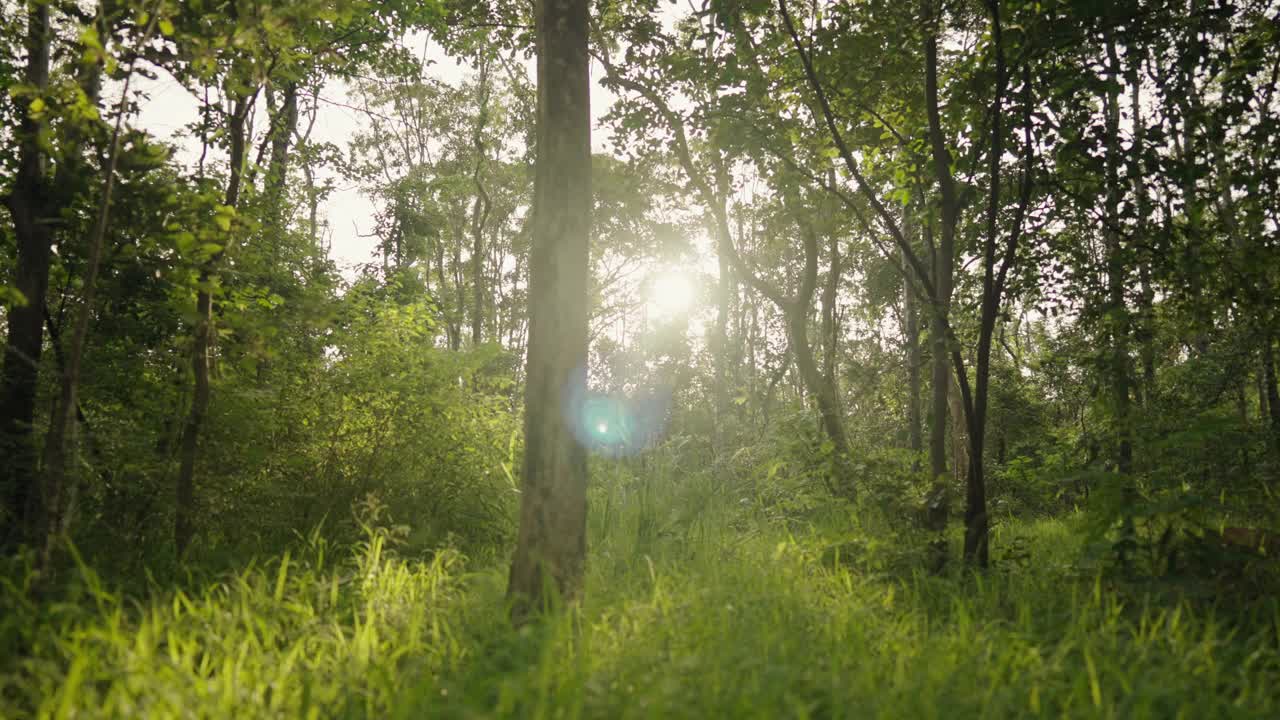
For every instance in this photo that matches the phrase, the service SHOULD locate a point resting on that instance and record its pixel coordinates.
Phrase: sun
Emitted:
(671, 292)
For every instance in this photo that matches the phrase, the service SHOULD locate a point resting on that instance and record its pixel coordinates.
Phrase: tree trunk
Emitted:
(1117, 310)
(960, 435)
(816, 382)
(915, 426)
(184, 508)
(823, 394)
(1272, 390)
(283, 123)
(60, 447)
(1146, 295)
(1117, 315)
(976, 523)
(1190, 102)
(831, 324)
(552, 542)
(753, 338)
(21, 373)
(1264, 411)
(725, 287)
(442, 287)
(459, 290)
(480, 209)
(943, 279)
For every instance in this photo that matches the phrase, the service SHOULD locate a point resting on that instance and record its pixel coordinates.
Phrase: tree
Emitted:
(706, 154)
(552, 543)
(27, 202)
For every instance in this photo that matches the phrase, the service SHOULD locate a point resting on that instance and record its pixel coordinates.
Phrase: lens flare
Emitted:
(671, 293)
(617, 424)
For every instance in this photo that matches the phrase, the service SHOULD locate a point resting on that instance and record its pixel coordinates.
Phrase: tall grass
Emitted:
(696, 606)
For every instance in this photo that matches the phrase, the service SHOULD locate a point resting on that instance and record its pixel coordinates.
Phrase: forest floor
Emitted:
(692, 609)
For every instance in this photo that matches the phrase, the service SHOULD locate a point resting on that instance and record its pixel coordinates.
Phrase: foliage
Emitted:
(764, 551)
(701, 620)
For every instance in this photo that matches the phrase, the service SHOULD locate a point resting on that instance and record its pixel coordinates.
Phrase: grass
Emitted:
(695, 607)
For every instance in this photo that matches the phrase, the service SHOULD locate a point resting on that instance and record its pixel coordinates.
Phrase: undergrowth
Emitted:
(695, 607)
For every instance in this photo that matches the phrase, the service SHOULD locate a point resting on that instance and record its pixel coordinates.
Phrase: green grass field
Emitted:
(693, 609)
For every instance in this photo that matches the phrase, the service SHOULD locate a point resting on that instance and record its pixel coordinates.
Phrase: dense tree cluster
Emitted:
(1001, 258)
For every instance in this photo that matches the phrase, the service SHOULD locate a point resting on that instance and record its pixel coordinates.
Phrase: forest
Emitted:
(639, 359)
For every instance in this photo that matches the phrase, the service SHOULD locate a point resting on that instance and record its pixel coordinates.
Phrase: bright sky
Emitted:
(350, 214)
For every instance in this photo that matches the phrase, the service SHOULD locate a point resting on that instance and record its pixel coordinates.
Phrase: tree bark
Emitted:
(60, 445)
(725, 287)
(1145, 330)
(1272, 390)
(27, 204)
(943, 279)
(480, 209)
(184, 507)
(283, 124)
(823, 394)
(1117, 272)
(976, 535)
(911, 321)
(960, 436)
(831, 324)
(551, 547)
(1264, 410)
(456, 317)
(816, 382)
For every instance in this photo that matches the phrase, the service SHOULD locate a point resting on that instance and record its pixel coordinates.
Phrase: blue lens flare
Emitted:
(614, 423)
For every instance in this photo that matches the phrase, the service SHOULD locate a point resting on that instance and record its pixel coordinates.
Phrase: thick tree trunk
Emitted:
(184, 507)
(19, 489)
(552, 542)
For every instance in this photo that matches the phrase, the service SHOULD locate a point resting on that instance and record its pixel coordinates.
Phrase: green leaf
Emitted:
(12, 296)
(89, 38)
(185, 242)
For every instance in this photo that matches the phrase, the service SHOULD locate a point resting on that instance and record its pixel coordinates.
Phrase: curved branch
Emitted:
(715, 202)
